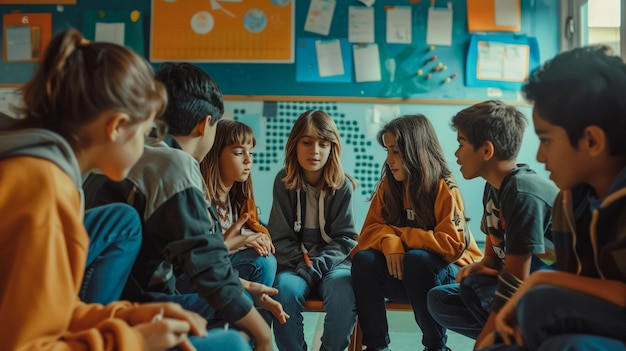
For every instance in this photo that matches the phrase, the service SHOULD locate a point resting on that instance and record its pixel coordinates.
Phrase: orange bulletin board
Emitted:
(29, 2)
(25, 36)
(222, 31)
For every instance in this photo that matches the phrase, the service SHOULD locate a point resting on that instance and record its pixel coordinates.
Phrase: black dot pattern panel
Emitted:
(366, 169)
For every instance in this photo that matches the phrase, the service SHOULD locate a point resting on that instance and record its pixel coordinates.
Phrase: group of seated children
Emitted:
(100, 205)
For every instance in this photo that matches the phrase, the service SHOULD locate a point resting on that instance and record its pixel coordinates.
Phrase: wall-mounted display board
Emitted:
(404, 51)
(25, 36)
(33, 2)
(228, 31)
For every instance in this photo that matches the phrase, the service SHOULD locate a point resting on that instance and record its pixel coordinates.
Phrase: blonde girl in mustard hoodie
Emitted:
(88, 106)
(414, 236)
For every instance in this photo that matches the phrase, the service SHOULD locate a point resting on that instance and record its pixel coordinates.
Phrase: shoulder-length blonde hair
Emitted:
(322, 126)
(227, 133)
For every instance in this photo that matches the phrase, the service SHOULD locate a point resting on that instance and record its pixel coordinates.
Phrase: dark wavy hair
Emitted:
(424, 165)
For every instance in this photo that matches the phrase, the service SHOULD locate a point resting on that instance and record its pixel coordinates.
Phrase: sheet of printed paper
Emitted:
(399, 27)
(110, 32)
(329, 59)
(320, 16)
(507, 13)
(366, 63)
(19, 45)
(360, 24)
(439, 29)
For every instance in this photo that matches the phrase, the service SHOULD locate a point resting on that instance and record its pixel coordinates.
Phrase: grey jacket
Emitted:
(327, 247)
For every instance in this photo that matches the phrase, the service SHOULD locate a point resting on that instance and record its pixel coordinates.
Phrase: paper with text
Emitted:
(366, 63)
(329, 59)
(110, 32)
(360, 24)
(399, 27)
(320, 16)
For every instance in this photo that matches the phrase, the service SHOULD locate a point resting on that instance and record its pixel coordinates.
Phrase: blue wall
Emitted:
(539, 19)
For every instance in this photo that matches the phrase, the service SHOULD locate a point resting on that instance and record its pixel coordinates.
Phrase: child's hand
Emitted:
(475, 268)
(506, 324)
(235, 229)
(261, 243)
(268, 303)
(164, 334)
(146, 313)
(394, 265)
(261, 295)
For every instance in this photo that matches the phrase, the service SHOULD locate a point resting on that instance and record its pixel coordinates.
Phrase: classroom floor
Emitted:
(403, 332)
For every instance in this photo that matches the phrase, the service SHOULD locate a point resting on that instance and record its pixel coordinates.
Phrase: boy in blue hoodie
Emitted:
(579, 116)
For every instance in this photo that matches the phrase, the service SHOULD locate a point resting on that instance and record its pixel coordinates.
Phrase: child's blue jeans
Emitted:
(335, 289)
(115, 239)
(465, 307)
(553, 318)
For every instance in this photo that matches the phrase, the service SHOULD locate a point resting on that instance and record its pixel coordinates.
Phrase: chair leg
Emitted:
(356, 339)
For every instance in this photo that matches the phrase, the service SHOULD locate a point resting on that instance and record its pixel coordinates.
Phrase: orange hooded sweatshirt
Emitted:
(43, 250)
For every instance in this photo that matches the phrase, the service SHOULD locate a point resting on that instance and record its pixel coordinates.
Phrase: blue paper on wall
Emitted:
(307, 69)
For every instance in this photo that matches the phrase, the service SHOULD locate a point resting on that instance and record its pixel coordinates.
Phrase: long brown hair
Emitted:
(78, 80)
(320, 123)
(424, 165)
(227, 133)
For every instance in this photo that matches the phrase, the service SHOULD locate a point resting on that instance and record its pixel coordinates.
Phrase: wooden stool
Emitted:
(356, 338)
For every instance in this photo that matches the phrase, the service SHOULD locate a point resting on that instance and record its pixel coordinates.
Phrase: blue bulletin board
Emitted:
(399, 63)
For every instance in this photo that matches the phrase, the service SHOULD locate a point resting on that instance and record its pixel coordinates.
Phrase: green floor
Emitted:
(403, 332)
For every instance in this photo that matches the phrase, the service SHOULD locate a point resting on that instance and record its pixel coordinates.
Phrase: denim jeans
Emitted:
(546, 311)
(423, 270)
(465, 307)
(253, 267)
(219, 340)
(115, 239)
(335, 289)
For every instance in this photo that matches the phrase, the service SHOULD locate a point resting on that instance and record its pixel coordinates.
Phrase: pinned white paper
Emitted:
(366, 63)
(320, 16)
(439, 31)
(360, 24)
(329, 58)
(399, 26)
(110, 32)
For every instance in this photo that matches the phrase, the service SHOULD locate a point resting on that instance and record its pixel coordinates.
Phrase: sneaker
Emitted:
(386, 348)
(445, 348)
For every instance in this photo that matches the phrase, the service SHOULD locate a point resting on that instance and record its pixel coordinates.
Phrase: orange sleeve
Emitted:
(250, 208)
(376, 233)
(43, 248)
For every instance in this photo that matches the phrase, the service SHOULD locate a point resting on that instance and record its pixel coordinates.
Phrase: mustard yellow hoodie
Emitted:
(450, 239)
(43, 250)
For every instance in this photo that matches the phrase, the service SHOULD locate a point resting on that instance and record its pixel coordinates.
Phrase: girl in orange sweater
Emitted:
(88, 106)
(414, 236)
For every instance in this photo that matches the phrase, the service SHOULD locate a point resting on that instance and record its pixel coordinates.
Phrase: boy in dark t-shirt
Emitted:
(516, 219)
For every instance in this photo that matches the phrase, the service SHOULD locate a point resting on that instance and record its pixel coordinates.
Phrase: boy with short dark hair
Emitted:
(516, 219)
(183, 257)
(579, 115)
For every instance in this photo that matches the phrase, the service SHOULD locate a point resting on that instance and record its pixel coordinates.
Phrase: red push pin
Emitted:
(436, 69)
(432, 58)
